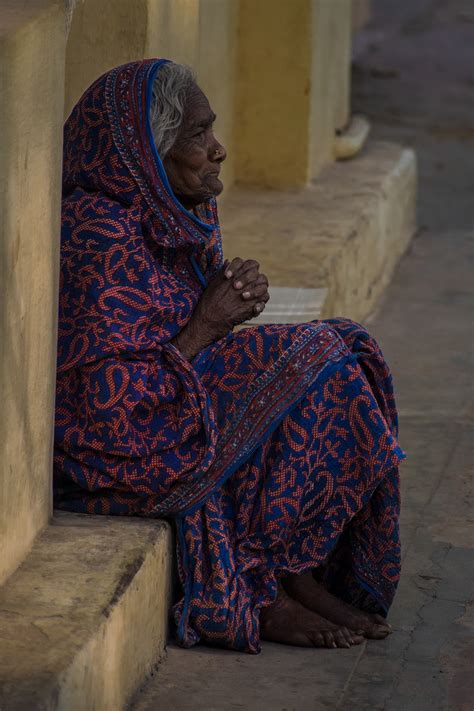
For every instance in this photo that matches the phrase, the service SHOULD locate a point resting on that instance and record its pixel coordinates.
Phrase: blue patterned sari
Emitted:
(274, 451)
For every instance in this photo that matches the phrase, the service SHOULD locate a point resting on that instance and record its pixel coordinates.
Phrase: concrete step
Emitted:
(344, 232)
(291, 305)
(84, 619)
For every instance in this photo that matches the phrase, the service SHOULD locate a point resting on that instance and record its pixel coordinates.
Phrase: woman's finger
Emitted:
(248, 264)
(233, 267)
(258, 308)
(260, 280)
(256, 291)
(247, 271)
(244, 279)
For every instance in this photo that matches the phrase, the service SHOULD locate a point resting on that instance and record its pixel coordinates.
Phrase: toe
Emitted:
(347, 634)
(341, 640)
(329, 640)
(382, 622)
(317, 639)
(378, 632)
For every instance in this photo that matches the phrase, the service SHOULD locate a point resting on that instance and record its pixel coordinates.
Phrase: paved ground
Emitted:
(414, 78)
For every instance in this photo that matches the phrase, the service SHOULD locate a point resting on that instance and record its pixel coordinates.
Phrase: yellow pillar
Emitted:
(292, 88)
(273, 92)
(201, 33)
(173, 30)
(216, 73)
(31, 113)
(330, 78)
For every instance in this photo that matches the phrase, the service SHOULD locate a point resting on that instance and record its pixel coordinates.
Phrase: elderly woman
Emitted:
(273, 449)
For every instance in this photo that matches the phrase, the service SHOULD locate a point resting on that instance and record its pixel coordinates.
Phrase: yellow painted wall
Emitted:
(31, 112)
(276, 72)
(102, 34)
(330, 78)
(173, 30)
(273, 92)
(292, 88)
(216, 69)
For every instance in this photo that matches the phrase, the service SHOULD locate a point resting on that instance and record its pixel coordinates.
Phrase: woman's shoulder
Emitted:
(85, 204)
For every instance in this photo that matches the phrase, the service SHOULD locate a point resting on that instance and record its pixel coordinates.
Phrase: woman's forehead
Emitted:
(197, 108)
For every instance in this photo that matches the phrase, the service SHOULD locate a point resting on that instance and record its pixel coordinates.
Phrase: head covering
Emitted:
(119, 211)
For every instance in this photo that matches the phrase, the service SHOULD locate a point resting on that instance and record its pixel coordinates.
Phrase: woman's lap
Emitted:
(330, 466)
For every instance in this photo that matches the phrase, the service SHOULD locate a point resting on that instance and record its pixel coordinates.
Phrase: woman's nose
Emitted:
(218, 152)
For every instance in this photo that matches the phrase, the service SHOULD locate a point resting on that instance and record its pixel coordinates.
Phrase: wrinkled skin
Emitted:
(193, 164)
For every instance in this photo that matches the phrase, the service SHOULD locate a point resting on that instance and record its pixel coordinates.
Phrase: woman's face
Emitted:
(193, 163)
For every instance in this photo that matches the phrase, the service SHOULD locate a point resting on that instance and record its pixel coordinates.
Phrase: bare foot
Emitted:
(305, 590)
(288, 622)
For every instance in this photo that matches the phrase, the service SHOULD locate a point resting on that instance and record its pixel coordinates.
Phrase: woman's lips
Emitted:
(214, 183)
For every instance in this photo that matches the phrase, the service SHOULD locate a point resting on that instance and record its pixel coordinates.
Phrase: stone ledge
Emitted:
(290, 305)
(346, 231)
(84, 618)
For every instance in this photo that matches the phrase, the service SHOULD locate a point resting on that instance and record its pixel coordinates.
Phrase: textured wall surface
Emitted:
(273, 92)
(292, 88)
(31, 112)
(102, 35)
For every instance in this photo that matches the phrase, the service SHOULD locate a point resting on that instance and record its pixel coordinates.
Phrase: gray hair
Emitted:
(172, 83)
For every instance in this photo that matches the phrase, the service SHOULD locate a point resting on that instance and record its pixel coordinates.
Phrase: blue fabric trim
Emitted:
(198, 272)
(161, 170)
(365, 586)
(328, 370)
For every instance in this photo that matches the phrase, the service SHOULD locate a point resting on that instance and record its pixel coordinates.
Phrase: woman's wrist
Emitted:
(193, 338)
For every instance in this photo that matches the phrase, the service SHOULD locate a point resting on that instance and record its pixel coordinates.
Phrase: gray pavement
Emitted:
(415, 80)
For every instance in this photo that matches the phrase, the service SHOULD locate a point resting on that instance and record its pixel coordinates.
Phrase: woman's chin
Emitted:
(209, 189)
(214, 185)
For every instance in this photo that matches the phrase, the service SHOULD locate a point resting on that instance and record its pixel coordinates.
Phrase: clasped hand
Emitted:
(238, 293)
